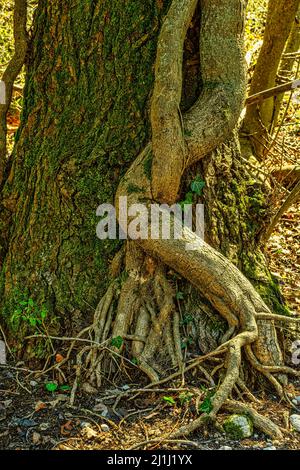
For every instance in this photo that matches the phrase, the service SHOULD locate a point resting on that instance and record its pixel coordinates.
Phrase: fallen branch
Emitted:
(265, 94)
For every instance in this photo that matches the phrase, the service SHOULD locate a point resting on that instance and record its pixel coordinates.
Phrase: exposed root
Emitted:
(260, 422)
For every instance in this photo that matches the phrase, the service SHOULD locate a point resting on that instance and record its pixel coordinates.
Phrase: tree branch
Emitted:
(215, 114)
(290, 200)
(265, 94)
(12, 71)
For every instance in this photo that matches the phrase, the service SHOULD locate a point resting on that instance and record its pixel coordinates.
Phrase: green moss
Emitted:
(238, 427)
(133, 188)
(147, 165)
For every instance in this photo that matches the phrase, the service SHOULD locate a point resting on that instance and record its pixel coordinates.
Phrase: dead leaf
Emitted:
(59, 358)
(40, 405)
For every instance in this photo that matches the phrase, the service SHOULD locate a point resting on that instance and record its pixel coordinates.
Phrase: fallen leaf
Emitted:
(59, 358)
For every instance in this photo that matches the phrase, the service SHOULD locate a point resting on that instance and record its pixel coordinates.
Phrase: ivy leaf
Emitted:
(51, 386)
(169, 400)
(117, 342)
(179, 295)
(43, 314)
(65, 388)
(32, 321)
(197, 186)
(206, 406)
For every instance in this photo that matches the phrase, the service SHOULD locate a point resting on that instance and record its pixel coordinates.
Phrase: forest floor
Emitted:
(32, 417)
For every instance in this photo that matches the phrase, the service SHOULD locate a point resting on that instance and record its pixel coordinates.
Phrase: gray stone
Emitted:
(36, 438)
(295, 422)
(104, 427)
(225, 448)
(294, 401)
(33, 383)
(238, 427)
(100, 407)
(269, 444)
(269, 448)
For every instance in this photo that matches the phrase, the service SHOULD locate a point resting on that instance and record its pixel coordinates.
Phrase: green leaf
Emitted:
(43, 314)
(206, 406)
(187, 133)
(31, 303)
(169, 400)
(135, 361)
(197, 186)
(32, 321)
(23, 303)
(117, 342)
(185, 397)
(65, 388)
(51, 386)
(179, 295)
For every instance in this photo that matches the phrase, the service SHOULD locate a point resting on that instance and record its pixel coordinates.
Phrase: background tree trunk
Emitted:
(258, 119)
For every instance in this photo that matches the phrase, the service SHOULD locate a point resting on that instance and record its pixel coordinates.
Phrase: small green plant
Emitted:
(117, 342)
(65, 388)
(187, 342)
(207, 406)
(188, 199)
(187, 319)
(179, 295)
(185, 397)
(29, 312)
(51, 387)
(170, 400)
(197, 185)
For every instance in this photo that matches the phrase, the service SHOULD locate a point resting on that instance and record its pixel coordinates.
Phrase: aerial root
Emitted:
(260, 422)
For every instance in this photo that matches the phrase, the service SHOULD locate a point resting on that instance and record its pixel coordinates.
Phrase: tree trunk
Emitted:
(287, 64)
(258, 119)
(85, 122)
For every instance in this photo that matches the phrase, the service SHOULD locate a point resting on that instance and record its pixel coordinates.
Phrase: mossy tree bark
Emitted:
(85, 117)
(85, 122)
